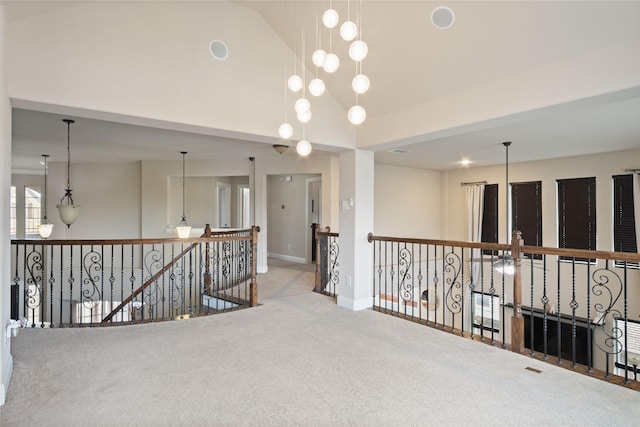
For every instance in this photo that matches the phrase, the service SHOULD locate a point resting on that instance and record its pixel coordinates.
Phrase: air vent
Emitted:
(398, 151)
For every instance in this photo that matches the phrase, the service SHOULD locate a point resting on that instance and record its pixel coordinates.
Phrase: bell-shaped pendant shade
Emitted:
(68, 213)
(45, 230)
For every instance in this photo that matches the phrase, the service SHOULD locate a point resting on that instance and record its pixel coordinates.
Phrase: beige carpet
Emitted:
(295, 360)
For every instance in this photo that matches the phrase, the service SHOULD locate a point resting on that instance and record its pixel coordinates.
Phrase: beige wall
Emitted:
(287, 217)
(407, 202)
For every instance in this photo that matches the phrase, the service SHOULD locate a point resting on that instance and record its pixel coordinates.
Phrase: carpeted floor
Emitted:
(295, 360)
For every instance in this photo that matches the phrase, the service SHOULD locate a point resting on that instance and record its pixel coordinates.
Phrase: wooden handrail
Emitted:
(148, 282)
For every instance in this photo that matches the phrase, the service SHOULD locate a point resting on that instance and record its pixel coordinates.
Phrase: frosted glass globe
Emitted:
(303, 147)
(302, 105)
(285, 130)
(295, 83)
(358, 50)
(360, 84)
(316, 87)
(331, 63)
(330, 18)
(318, 57)
(304, 117)
(348, 30)
(356, 114)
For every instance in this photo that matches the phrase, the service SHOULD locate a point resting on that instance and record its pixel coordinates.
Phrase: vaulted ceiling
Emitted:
(436, 94)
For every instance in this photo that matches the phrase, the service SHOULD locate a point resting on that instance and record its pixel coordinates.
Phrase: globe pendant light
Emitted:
(356, 114)
(316, 87)
(285, 131)
(302, 105)
(358, 50)
(330, 18)
(360, 84)
(331, 63)
(318, 57)
(183, 228)
(304, 117)
(45, 228)
(68, 211)
(303, 147)
(348, 30)
(295, 83)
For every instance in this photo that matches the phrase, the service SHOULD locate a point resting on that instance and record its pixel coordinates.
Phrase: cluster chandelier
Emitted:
(329, 62)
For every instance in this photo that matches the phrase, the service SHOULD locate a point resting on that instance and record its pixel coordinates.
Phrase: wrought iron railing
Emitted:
(556, 306)
(60, 283)
(327, 266)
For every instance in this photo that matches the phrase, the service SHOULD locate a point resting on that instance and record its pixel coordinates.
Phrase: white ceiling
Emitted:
(409, 63)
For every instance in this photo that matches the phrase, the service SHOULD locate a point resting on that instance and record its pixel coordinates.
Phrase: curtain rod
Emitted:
(632, 171)
(473, 183)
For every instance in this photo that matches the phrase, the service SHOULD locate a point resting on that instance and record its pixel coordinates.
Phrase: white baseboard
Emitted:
(287, 258)
(355, 305)
(7, 370)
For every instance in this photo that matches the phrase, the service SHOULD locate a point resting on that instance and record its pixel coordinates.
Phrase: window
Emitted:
(13, 215)
(485, 311)
(490, 217)
(577, 215)
(632, 340)
(526, 212)
(624, 225)
(32, 202)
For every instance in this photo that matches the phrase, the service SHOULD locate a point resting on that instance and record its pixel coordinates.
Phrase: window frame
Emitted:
(578, 204)
(525, 191)
(623, 218)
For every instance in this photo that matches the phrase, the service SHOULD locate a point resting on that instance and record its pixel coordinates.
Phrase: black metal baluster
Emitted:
(51, 283)
(132, 280)
(626, 323)
(70, 281)
(531, 321)
(574, 306)
(559, 319)
(589, 323)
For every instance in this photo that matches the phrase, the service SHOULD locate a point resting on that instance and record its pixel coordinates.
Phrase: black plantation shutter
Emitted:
(624, 225)
(526, 212)
(490, 216)
(577, 214)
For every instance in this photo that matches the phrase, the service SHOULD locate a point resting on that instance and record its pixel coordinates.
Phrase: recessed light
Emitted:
(442, 17)
(465, 162)
(218, 50)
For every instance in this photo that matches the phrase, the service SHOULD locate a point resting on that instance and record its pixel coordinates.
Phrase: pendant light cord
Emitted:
(184, 218)
(506, 218)
(44, 199)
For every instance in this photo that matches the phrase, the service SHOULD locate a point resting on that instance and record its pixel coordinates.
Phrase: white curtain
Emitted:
(474, 203)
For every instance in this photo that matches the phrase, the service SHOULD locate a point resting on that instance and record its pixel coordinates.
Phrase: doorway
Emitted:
(223, 191)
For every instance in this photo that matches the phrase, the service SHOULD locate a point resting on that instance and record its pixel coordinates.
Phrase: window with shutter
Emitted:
(490, 217)
(624, 225)
(577, 215)
(526, 212)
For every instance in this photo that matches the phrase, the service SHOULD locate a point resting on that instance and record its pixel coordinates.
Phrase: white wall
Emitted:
(6, 362)
(292, 164)
(407, 202)
(287, 217)
(157, 66)
(602, 166)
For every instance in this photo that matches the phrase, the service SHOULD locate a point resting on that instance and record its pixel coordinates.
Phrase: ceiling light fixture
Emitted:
(68, 211)
(280, 148)
(183, 228)
(45, 228)
(506, 264)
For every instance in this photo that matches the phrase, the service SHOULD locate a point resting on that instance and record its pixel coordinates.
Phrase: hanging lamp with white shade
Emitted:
(67, 209)
(183, 228)
(45, 228)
